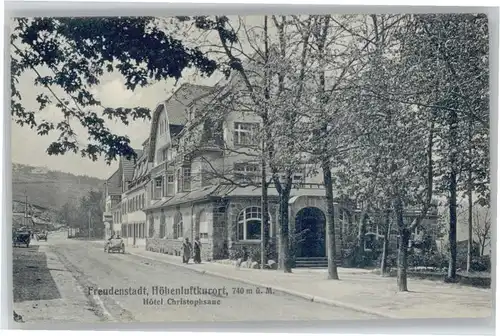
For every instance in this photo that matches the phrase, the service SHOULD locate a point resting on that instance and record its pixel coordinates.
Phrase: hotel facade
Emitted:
(173, 193)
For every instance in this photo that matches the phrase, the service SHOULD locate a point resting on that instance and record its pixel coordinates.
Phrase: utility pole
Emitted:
(90, 221)
(25, 220)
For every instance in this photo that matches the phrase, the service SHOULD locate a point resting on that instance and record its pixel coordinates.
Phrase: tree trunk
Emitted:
(264, 243)
(284, 244)
(404, 239)
(452, 188)
(264, 246)
(452, 234)
(385, 248)
(470, 236)
(469, 196)
(330, 221)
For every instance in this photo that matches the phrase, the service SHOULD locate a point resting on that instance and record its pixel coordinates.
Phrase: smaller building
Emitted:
(114, 186)
(134, 200)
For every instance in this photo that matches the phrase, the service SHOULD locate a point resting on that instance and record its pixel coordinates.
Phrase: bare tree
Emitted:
(482, 228)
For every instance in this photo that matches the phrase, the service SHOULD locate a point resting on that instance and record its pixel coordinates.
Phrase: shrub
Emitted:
(238, 252)
(254, 253)
(357, 258)
(392, 259)
(481, 264)
(429, 259)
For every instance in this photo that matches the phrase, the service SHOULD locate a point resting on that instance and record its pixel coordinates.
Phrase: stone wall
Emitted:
(190, 214)
(167, 246)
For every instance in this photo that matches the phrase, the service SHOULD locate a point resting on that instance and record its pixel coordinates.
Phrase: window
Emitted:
(249, 224)
(202, 229)
(184, 179)
(179, 180)
(170, 184)
(245, 134)
(246, 171)
(151, 230)
(178, 229)
(162, 225)
(164, 154)
(186, 183)
(158, 192)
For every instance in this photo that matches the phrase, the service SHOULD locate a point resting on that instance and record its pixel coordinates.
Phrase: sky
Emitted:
(30, 148)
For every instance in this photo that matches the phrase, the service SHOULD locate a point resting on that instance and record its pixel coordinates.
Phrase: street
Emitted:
(69, 280)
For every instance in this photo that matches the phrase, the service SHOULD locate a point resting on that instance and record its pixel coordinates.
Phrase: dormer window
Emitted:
(164, 154)
(158, 188)
(184, 179)
(170, 184)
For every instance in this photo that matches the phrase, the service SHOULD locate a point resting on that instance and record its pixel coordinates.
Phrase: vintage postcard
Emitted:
(250, 168)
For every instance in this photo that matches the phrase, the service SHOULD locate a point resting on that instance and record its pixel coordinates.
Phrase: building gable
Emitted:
(173, 112)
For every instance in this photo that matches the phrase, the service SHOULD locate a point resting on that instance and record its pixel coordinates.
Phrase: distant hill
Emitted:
(50, 189)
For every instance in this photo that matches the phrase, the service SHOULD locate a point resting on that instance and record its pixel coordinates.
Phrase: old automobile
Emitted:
(21, 237)
(114, 244)
(42, 235)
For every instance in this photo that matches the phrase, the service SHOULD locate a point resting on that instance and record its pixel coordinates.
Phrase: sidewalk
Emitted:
(358, 290)
(45, 291)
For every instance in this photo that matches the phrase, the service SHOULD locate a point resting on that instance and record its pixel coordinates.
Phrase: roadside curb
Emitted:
(307, 297)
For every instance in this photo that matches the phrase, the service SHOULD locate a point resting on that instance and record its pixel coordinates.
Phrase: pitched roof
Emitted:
(127, 166)
(180, 99)
(175, 107)
(113, 184)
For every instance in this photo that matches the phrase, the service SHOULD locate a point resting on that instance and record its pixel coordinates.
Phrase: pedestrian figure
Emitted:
(186, 251)
(197, 250)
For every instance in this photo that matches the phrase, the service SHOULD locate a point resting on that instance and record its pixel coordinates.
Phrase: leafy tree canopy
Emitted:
(73, 54)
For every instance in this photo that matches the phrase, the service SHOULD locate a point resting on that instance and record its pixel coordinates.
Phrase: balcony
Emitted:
(209, 146)
(159, 169)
